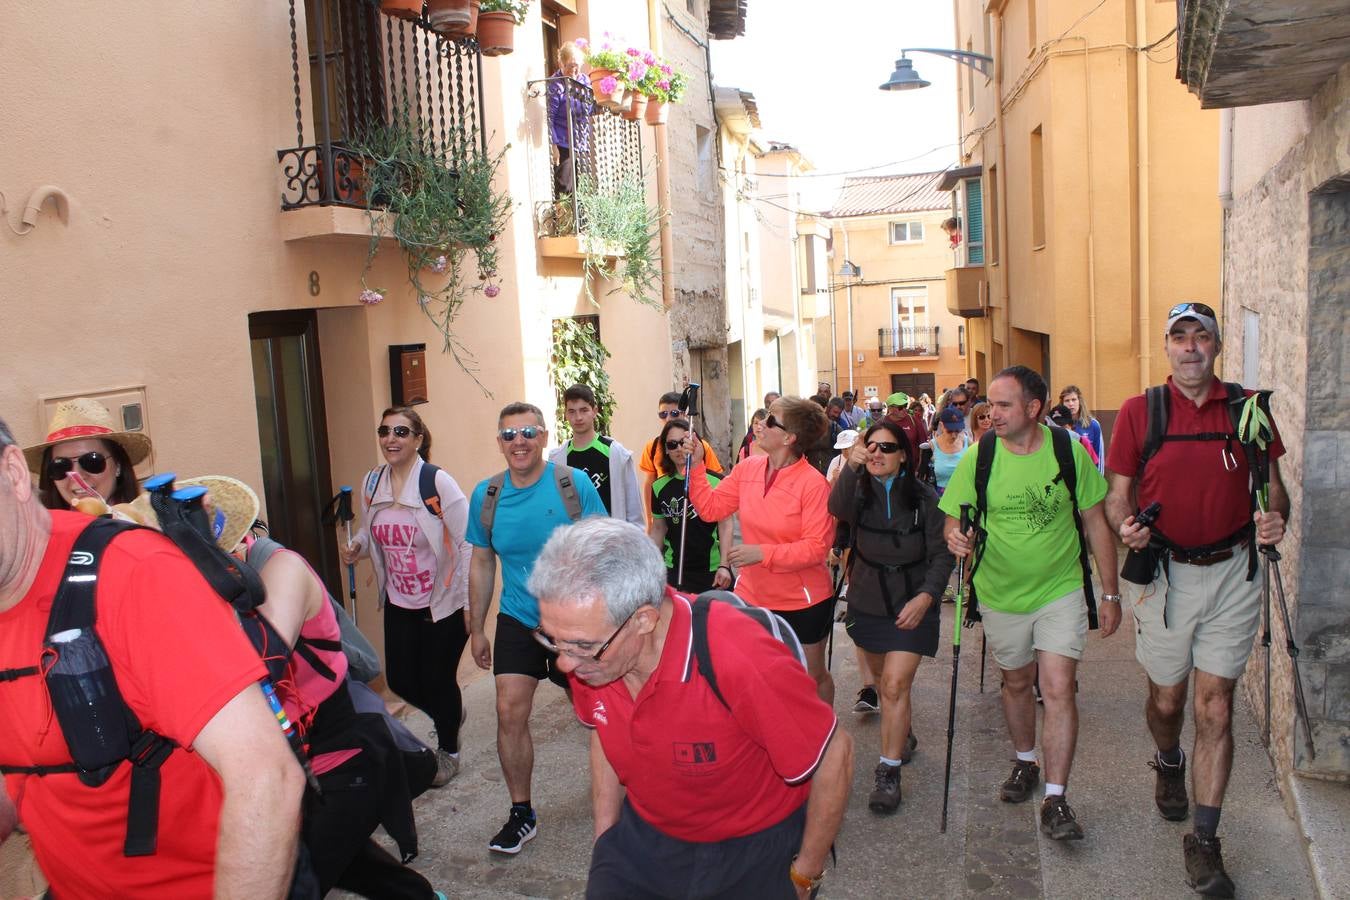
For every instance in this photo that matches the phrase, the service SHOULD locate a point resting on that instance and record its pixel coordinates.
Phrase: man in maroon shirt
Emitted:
(1202, 610)
(693, 797)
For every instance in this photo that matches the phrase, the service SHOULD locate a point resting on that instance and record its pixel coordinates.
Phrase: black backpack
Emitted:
(1062, 442)
(768, 619)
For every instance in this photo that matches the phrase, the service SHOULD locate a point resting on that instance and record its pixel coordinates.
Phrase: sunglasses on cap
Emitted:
(883, 446)
(399, 431)
(92, 462)
(1182, 308)
(529, 433)
(669, 414)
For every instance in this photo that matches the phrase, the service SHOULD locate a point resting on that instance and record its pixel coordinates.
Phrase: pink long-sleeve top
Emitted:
(790, 521)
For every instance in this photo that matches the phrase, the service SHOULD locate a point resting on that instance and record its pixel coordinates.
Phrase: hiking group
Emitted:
(685, 608)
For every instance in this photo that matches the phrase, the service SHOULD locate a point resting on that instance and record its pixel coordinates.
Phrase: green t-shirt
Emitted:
(1031, 553)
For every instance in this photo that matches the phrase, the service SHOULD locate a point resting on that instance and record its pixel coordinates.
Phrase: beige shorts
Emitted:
(1059, 627)
(1212, 613)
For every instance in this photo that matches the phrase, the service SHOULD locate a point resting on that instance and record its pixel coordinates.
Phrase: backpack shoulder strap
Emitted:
(984, 465)
(488, 513)
(1158, 407)
(426, 486)
(373, 478)
(260, 552)
(563, 475)
(702, 653)
(73, 606)
(1063, 440)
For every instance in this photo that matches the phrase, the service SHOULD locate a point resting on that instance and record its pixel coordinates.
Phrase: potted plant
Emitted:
(402, 9)
(452, 18)
(617, 218)
(669, 89)
(497, 21)
(607, 64)
(640, 79)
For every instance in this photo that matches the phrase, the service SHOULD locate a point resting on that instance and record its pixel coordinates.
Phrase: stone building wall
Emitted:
(1288, 261)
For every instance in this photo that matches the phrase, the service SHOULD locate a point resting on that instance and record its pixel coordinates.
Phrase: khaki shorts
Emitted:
(1212, 613)
(1059, 627)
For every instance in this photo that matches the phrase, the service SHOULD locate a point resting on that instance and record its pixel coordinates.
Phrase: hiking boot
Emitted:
(885, 797)
(447, 767)
(1169, 791)
(519, 829)
(1023, 780)
(1058, 822)
(911, 744)
(1204, 867)
(868, 702)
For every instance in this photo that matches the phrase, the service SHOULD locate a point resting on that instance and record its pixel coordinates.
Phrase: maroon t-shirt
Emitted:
(1203, 499)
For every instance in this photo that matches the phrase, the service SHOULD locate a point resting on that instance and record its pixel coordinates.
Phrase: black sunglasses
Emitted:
(669, 414)
(400, 431)
(674, 445)
(1183, 308)
(884, 446)
(771, 422)
(92, 462)
(552, 646)
(529, 433)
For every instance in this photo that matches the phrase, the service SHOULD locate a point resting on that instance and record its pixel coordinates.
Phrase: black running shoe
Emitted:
(868, 702)
(1023, 780)
(519, 829)
(1204, 867)
(1169, 791)
(1058, 822)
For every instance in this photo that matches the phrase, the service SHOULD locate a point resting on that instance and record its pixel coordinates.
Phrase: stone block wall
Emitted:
(1288, 260)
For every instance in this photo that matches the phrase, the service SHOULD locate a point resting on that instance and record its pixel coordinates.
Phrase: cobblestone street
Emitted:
(991, 849)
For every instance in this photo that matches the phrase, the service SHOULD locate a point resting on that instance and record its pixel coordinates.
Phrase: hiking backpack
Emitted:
(1062, 441)
(767, 618)
(562, 478)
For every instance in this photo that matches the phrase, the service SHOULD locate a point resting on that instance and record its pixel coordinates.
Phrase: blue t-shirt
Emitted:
(524, 521)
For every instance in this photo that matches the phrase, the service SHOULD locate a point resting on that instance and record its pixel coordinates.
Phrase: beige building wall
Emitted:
(1111, 256)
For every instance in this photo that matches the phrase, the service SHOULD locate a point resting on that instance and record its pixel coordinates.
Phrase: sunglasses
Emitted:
(884, 446)
(1183, 308)
(674, 445)
(982, 417)
(552, 646)
(771, 422)
(400, 431)
(529, 433)
(92, 462)
(669, 414)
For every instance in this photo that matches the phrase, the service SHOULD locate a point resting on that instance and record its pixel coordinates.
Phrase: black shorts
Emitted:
(516, 652)
(878, 634)
(813, 623)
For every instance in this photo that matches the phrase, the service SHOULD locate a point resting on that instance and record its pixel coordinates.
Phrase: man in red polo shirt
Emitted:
(692, 798)
(1202, 610)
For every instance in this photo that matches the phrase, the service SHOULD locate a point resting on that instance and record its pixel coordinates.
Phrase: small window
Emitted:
(906, 232)
(703, 141)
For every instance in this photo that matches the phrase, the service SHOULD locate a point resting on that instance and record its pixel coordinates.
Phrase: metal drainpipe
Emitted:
(844, 228)
(1005, 257)
(1141, 195)
(662, 143)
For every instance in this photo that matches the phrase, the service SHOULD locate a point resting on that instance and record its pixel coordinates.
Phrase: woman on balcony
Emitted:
(569, 110)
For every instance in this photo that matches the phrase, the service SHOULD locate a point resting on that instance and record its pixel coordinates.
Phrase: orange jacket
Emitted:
(790, 522)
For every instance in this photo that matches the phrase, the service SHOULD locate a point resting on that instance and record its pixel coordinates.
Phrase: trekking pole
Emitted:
(1273, 562)
(689, 403)
(1265, 638)
(956, 665)
(345, 516)
(984, 642)
(838, 583)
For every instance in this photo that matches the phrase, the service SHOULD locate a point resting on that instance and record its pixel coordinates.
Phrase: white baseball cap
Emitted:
(847, 438)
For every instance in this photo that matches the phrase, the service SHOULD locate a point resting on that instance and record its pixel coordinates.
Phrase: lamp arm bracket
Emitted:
(977, 61)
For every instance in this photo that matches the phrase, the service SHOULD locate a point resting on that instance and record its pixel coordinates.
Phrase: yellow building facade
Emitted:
(1097, 174)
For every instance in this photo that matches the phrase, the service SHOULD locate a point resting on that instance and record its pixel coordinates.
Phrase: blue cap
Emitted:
(952, 419)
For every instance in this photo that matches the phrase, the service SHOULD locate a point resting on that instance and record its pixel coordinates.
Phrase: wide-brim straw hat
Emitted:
(236, 507)
(83, 418)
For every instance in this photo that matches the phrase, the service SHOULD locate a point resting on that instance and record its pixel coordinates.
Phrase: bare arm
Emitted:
(606, 791)
(1103, 545)
(9, 816)
(262, 784)
(482, 573)
(658, 532)
(1270, 524)
(825, 809)
(1121, 504)
(293, 595)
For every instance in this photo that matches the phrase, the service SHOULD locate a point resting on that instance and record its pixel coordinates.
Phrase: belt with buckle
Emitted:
(1207, 559)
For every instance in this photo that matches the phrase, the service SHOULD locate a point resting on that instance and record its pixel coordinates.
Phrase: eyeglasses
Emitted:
(529, 433)
(669, 414)
(674, 445)
(883, 446)
(1182, 308)
(92, 462)
(771, 422)
(400, 431)
(552, 646)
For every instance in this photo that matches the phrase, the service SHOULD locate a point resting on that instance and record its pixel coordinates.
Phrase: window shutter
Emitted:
(974, 223)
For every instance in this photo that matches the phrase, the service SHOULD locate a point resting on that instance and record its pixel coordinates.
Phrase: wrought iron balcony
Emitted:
(892, 342)
(366, 69)
(581, 147)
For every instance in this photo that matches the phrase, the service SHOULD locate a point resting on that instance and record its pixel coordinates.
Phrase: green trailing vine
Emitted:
(619, 216)
(578, 357)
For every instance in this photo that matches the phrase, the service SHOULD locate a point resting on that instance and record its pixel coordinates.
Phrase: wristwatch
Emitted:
(1110, 598)
(803, 881)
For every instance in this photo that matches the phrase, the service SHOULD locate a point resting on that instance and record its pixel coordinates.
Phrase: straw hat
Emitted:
(236, 507)
(85, 418)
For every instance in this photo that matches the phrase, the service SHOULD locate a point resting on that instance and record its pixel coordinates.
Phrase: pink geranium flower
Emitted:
(491, 291)
(649, 58)
(370, 298)
(439, 265)
(663, 85)
(666, 70)
(636, 71)
(633, 51)
(582, 43)
(609, 84)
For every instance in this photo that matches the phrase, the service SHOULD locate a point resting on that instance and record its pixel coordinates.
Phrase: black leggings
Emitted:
(421, 663)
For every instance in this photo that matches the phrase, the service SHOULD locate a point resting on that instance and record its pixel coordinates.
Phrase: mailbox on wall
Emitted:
(407, 374)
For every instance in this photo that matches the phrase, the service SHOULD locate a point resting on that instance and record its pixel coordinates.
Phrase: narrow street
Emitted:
(991, 849)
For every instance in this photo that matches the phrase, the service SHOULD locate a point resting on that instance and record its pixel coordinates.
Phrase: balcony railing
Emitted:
(366, 69)
(907, 341)
(580, 144)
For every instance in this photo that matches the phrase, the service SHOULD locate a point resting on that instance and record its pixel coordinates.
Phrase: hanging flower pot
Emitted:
(402, 9)
(452, 18)
(496, 33)
(609, 90)
(637, 107)
(658, 111)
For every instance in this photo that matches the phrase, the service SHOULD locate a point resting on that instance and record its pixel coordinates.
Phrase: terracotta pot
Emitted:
(637, 107)
(469, 30)
(614, 99)
(496, 33)
(452, 18)
(402, 9)
(658, 112)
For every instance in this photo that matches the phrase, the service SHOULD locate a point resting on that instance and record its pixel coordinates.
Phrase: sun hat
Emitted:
(899, 398)
(82, 418)
(236, 507)
(847, 438)
(951, 419)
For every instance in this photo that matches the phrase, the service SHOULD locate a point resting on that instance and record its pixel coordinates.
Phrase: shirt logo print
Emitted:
(695, 753)
(598, 713)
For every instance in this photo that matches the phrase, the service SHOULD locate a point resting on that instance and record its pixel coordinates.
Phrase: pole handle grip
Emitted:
(966, 518)
(344, 508)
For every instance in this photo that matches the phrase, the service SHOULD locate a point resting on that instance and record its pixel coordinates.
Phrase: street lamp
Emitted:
(904, 78)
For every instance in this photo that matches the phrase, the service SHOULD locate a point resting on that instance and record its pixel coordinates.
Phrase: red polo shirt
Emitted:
(1203, 501)
(693, 769)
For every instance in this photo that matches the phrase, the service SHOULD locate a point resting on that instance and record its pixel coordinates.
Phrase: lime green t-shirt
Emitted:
(1031, 554)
